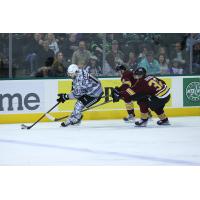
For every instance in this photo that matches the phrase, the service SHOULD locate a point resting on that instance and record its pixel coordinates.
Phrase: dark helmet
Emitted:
(140, 71)
(120, 67)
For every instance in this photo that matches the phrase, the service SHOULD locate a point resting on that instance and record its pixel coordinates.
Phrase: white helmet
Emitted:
(72, 69)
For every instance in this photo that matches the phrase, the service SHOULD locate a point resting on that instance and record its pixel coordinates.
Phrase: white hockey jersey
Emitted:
(85, 84)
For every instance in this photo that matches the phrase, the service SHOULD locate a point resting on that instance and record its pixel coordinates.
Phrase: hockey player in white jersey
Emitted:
(86, 89)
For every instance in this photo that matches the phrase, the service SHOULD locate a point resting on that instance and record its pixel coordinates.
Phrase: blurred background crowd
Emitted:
(28, 55)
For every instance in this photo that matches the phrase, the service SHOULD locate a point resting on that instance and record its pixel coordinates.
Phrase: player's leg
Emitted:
(76, 116)
(163, 119)
(157, 105)
(131, 114)
(144, 110)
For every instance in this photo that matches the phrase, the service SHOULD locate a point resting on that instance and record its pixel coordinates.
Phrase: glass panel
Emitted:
(4, 55)
(49, 54)
(85, 50)
(160, 54)
(194, 41)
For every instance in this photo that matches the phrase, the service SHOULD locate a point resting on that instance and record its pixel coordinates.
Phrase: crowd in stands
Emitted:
(49, 54)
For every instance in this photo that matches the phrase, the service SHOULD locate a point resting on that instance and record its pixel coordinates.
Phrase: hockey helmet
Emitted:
(72, 69)
(140, 71)
(120, 67)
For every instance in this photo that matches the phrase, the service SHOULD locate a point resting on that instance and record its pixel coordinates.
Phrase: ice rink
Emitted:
(110, 142)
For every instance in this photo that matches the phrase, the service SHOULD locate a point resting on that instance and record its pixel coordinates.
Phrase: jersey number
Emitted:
(155, 84)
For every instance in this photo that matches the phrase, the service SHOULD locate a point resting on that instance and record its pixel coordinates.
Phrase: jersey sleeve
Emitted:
(126, 80)
(157, 87)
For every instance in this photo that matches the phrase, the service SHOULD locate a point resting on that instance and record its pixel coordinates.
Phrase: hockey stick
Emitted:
(23, 126)
(90, 108)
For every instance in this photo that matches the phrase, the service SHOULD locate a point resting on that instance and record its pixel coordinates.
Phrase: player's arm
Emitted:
(127, 95)
(158, 87)
(125, 83)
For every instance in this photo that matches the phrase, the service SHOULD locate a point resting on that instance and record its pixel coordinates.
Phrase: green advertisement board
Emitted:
(191, 91)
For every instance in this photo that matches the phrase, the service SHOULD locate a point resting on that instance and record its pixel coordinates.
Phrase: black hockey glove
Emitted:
(115, 95)
(151, 98)
(62, 97)
(117, 88)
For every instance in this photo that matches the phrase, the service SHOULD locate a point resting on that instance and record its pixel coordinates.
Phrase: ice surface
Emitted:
(106, 142)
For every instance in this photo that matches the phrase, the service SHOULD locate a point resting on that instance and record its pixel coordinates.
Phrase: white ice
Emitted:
(106, 142)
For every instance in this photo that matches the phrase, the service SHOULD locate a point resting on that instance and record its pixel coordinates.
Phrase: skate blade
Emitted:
(143, 125)
(166, 124)
(129, 122)
(70, 125)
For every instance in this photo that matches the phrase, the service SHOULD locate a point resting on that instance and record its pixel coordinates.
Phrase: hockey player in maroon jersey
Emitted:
(128, 80)
(149, 92)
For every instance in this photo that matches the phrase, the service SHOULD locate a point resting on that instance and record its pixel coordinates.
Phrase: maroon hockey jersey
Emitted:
(127, 80)
(148, 85)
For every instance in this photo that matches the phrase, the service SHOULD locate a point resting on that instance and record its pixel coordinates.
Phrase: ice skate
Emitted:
(65, 124)
(129, 119)
(72, 122)
(141, 123)
(163, 122)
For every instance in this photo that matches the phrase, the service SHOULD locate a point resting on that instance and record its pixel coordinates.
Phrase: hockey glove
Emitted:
(115, 95)
(62, 97)
(117, 89)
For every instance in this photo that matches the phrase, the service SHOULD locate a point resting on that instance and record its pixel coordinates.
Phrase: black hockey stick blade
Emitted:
(23, 126)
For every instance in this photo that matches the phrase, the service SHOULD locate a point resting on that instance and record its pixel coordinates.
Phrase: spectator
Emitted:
(46, 70)
(176, 67)
(196, 59)
(44, 53)
(113, 58)
(69, 46)
(164, 68)
(156, 40)
(142, 54)
(58, 67)
(53, 45)
(193, 38)
(150, 64)
(4, 66)
(4, 43)
(129, 43)
(93, 67)
(132, 61)
(96, 46)
(81, 55)
(60, 38)
(38, 38)
(162, 50)
(32, 52)
(180, 56)
(110, 37)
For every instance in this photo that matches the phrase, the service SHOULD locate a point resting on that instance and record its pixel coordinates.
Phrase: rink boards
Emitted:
(27, 100)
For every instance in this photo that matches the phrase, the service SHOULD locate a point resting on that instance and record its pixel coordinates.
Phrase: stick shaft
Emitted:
(58, 119)
(43, 115)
